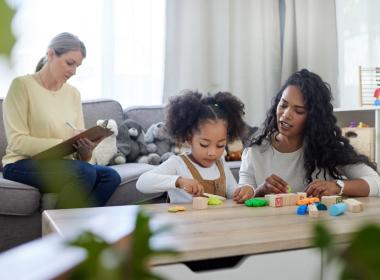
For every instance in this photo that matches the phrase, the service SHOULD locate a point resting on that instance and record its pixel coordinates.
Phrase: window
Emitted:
(358, 42)
(124, 40)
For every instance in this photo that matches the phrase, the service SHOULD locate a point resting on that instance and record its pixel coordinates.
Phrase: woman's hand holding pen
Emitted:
(191, 186)
(74, 128)
(272, 184)
(84, 148)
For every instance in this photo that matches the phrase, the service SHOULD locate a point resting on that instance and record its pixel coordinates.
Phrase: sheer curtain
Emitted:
(125, 40)
(224, 45)
(239, 46)
(310, 39)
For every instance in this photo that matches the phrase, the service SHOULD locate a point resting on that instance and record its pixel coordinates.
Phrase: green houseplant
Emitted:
(124, 261)
(7, 38)
(359, 259)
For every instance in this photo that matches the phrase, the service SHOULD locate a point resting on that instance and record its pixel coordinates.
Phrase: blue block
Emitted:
(302, 210)
(320, 206)
(337, 209)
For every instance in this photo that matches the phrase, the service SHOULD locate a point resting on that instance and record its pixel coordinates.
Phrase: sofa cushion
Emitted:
(127, 193)
(146, 115)
(17, 198)
(94, 110)
(3, 140)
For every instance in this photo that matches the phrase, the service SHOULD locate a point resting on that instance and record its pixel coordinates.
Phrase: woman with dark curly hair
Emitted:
(206, 123)
(301, 146)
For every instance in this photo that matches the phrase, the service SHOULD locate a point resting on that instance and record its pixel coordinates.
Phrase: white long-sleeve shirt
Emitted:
(259, 162)
(163, 178)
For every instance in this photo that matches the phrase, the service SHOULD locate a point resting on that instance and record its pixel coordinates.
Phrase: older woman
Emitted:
(36, 110)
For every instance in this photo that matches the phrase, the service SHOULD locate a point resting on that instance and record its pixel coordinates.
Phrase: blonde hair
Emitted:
(63, 43)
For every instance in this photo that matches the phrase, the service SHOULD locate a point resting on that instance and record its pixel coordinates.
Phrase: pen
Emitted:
(71, 125)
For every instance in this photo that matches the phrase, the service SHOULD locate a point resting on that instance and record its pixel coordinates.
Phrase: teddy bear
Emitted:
(130, 142)
(235, 148)
(106, 149)
(158, 136)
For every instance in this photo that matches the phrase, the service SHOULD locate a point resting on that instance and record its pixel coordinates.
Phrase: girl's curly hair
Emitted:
(185, 112)
(324, 146)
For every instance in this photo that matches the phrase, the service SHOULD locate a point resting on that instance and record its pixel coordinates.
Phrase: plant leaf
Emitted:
(361, 257)
(7, 38)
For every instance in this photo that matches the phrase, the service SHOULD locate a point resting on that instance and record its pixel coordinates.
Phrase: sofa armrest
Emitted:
(18, 199)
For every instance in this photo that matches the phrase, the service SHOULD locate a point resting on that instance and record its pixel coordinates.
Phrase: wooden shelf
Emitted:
(367, 114)
(362, 108)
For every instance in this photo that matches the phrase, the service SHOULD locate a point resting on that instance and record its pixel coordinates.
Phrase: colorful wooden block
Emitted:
(301, 195)
(337, 209)
(313, 210)
(353, 205)
(330, 200)
(200, 203)
(302, 210)
(308, 200)
(278, 201)
(283, 199)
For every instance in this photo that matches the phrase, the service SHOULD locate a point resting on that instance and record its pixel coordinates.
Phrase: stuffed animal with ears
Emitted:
(106, 149)
(235, 148)
(130, 141)
(158, 136)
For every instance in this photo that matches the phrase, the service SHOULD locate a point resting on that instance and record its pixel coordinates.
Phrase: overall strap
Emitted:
(196, 175)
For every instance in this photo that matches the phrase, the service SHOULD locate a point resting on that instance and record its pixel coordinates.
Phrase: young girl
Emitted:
(206, 123)
(301, 146)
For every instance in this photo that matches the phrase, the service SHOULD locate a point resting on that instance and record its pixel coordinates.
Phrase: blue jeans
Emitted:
(78, 183)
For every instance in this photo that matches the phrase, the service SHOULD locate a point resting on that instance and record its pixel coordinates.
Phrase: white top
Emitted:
(163, 177)
(259, 162)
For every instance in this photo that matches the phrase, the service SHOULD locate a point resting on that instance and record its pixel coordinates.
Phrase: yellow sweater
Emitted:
(35, 118)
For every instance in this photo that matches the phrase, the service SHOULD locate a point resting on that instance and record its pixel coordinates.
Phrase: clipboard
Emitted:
(65, 148)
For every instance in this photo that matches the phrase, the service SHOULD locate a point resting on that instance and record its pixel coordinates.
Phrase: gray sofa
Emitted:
(21, 205)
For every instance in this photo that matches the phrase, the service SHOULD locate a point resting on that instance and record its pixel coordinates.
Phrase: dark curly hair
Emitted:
(185, 112)
(324, 146)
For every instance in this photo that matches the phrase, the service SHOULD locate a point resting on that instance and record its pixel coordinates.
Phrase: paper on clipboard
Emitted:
(65, 148)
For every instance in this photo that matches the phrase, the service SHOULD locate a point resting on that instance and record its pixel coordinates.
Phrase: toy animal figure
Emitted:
(158, 135)
(106, 149)
(130, 141)
(234, 150)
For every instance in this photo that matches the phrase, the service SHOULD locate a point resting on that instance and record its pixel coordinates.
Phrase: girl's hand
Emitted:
(191, 186)
(243, 193)
(322, 188)
(84, 148)
(272, 184)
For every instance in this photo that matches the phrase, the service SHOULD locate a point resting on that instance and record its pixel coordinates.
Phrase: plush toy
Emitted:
(234, 150)
(248, 133)
(130, 141)
(181, 148)
(151, 158)
(106, 149)
(119, 158)
(158, 135)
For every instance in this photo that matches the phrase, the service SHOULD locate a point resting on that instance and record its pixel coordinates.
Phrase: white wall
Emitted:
(358, 44)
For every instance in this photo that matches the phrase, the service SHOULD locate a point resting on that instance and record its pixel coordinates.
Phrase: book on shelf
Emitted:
(95, 134)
